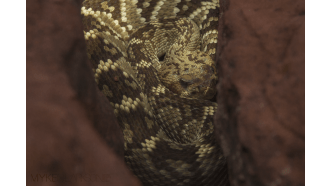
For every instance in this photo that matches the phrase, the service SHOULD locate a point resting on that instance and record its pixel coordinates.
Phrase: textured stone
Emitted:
(72, 135)
(260, 120)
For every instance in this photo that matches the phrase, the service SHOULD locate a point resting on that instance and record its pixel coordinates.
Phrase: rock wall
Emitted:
(260, 120)
(66, 113)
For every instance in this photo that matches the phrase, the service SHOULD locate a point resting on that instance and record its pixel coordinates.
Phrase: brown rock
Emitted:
(66, 113)
(261, 120)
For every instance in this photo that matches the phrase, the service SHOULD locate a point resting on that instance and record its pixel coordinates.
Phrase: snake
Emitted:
(154, 61)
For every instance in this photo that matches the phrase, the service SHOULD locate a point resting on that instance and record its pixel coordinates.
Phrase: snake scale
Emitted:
(168, 132)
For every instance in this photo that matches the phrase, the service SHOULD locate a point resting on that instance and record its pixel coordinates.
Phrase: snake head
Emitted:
(190, 76)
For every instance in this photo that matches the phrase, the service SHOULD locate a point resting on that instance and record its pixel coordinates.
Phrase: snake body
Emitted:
(168, 136)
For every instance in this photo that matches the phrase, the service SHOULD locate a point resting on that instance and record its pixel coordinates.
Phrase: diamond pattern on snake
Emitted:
(154, 61)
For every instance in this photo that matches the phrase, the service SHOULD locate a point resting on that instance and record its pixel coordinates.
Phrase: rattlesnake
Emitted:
(168, 137)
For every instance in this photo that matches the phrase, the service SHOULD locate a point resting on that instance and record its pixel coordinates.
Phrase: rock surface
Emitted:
(63, 104)
(261, 115)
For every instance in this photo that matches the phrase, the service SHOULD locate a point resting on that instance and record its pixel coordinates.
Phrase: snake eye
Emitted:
(183, 83)
(161, 58)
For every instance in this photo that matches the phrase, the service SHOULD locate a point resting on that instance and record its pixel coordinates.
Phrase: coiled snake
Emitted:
(160, 104)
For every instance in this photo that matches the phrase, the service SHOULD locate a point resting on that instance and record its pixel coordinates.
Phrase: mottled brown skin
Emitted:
(189, 74)
(169, 139)
(186, 70)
